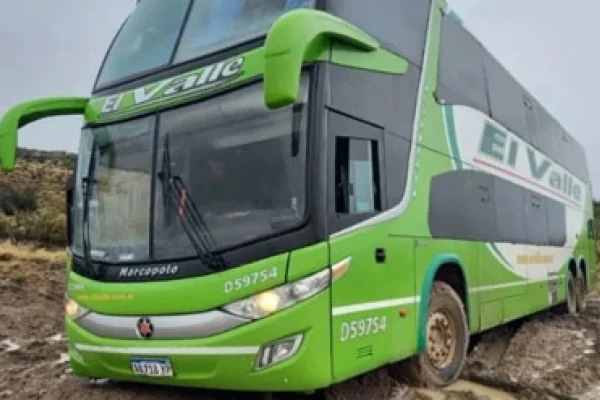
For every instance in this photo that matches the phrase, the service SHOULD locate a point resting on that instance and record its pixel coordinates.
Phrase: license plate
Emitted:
(152, 367)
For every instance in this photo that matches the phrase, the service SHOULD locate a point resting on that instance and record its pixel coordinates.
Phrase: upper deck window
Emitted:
(218, 24)
(150, 38)
(146, 40)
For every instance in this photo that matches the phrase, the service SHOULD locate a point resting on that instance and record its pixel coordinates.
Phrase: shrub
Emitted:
(13, 200)
(32, 198)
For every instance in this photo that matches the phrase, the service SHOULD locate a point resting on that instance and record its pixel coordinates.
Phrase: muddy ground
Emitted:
(549, 356)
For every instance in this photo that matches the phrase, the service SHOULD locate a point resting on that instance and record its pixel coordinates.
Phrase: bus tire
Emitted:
(580, 293)
(570, 307)
(446, 340)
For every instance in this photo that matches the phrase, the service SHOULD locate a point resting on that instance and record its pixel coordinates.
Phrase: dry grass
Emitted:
(27, 262)
(29, 253)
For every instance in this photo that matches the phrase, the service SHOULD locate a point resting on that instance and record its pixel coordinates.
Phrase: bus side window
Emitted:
(461, 76)
(531, 119)
(357, 176)
(356, 182)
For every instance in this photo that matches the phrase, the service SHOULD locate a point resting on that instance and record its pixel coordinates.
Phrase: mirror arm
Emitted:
(28, 112)
(298, 36)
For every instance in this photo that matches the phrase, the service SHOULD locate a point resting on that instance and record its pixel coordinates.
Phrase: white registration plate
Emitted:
(154, 367)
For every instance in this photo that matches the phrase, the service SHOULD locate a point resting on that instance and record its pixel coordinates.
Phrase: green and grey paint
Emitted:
(505, 149)
(370, 315)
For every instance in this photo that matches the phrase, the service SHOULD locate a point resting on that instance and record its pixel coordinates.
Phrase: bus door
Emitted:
(375, 269)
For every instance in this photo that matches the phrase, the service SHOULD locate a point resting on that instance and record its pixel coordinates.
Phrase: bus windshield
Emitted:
(159, 33)
(119, 191)
(240, 166)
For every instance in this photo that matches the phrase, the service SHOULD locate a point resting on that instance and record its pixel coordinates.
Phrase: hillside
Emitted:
(32, 198)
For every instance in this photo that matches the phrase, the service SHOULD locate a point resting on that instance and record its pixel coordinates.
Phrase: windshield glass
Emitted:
(119, 206)
(146, 40)
(217, 24)
(149, 38)
(242, 167)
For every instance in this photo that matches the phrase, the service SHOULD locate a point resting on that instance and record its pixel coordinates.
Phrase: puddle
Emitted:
(467, 390)
(9, 346)
(64, 358)
(58, 338)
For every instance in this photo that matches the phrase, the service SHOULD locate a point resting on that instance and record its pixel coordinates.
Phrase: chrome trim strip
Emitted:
(167, 351)
(188, 326)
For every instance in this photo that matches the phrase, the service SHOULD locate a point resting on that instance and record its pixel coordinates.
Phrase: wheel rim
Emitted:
(441, 339)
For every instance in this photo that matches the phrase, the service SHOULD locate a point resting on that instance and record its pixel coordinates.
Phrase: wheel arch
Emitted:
(443, 268)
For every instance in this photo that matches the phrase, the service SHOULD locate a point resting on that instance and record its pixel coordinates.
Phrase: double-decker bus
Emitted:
(282, 195)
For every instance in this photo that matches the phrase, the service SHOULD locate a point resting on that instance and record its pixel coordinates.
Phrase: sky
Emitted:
(52, 48)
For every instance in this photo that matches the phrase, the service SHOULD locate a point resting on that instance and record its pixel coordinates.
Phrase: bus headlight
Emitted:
(282, 297)
(74, 310)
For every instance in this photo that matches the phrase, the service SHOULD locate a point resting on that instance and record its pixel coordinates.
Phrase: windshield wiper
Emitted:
(176, 194)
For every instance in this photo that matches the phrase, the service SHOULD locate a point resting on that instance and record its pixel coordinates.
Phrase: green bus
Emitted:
(278, 196)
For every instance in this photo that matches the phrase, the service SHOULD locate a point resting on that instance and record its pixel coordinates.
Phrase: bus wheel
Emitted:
(580, 300)
(571, 306)
(446, 339)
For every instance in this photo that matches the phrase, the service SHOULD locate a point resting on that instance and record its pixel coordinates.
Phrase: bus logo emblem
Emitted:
(145, 329)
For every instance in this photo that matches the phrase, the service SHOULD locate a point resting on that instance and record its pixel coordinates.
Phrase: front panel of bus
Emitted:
(199, 242)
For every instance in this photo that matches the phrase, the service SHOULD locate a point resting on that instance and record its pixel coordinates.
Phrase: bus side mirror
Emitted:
(303, 35)
(28, 112)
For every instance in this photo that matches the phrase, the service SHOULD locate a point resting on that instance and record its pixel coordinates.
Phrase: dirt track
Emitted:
(548, 355)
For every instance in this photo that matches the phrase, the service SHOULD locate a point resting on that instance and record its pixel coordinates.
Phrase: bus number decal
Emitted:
(363, 327)
(248, 280)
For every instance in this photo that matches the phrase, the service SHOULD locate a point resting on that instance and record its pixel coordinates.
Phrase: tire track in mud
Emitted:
(549, 356)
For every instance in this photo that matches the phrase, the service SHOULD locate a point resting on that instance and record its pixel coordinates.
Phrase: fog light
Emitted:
(278, 351)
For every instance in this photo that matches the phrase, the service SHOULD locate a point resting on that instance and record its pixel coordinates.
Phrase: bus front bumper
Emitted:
(227, 361)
